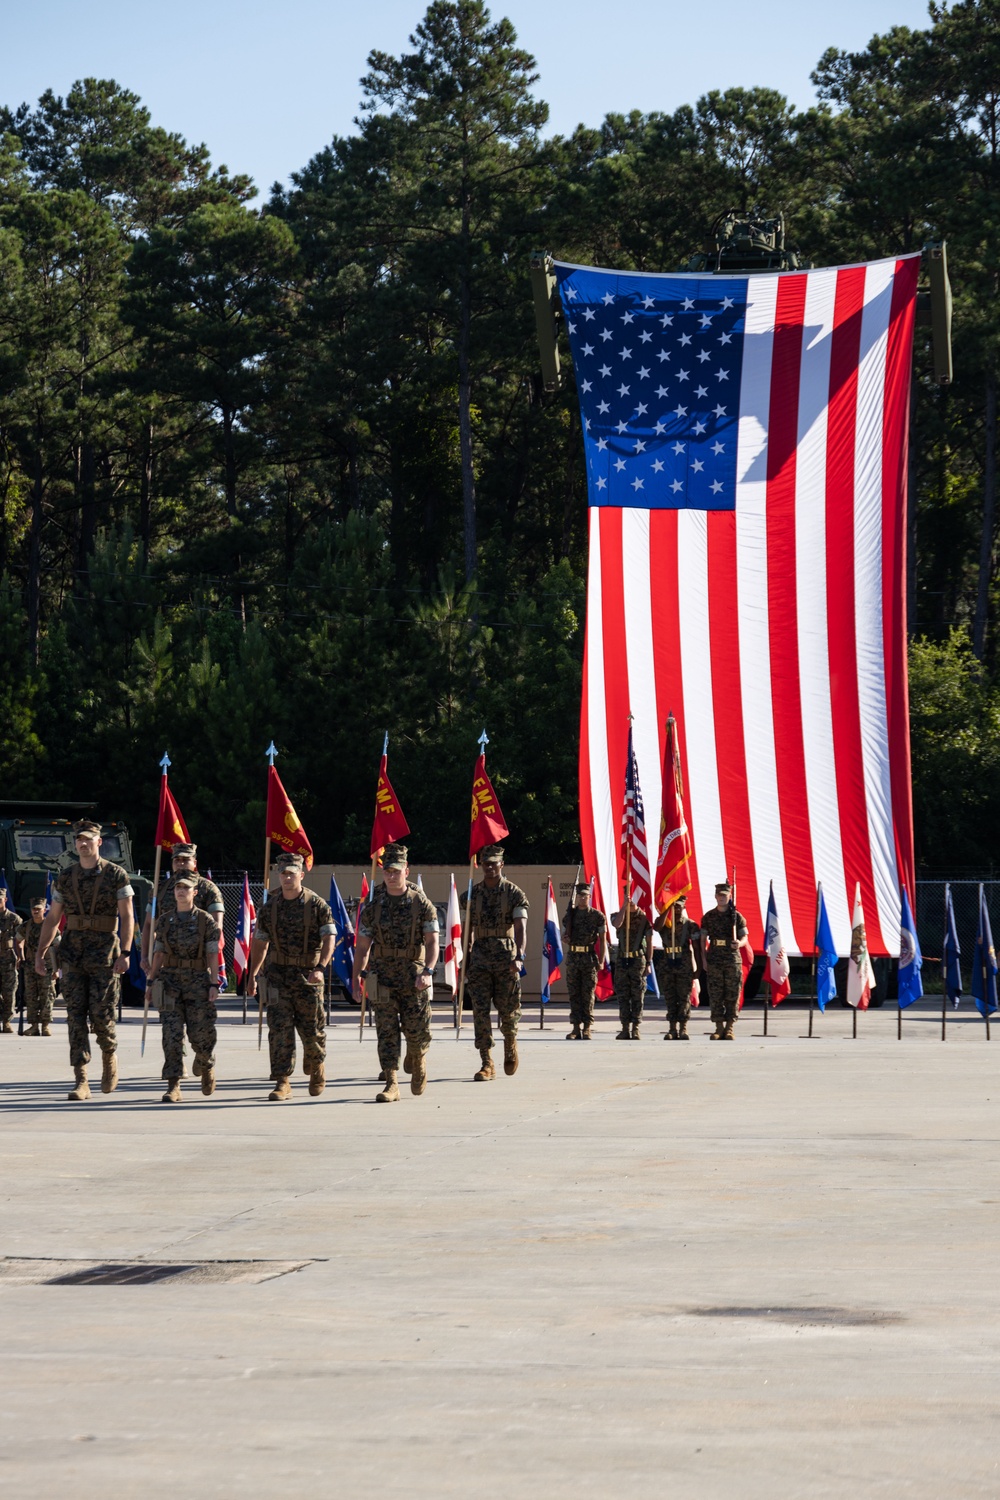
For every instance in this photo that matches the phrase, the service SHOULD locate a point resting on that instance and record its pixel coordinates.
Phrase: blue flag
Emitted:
(552, 948)
(826, 957)
(343, 948)
(910, 958)
(135, 975)
(652, 988)
(48, 890)
(984, 963)
(951, 953)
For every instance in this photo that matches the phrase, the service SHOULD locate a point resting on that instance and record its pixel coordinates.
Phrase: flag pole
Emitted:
(164, 766)
(944, 966)
(465, 952)
(364, 991)
(270, 752)
(815, 978)
(982, 949)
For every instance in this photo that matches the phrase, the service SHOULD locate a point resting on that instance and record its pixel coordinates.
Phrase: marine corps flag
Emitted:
(488, 826)
(389, 824)
(171, 828)
(673, 860)
(283, 826)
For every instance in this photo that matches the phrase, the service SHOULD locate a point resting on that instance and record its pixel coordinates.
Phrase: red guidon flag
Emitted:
(283, 826)
(673, 860)
(389, 824)
(488, 826)
(171, 828)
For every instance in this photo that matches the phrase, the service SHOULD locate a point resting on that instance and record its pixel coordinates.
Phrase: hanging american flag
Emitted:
(245, 924)
(745, 445)
(634, 854)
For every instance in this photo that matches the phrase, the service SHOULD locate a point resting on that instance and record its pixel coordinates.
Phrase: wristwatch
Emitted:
(426, 970)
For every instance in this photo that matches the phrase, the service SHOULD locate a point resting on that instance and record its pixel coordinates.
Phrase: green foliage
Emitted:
(289, 471)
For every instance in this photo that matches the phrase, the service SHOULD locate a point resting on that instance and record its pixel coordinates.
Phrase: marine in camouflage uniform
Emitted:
(632, 964)
(39, 991)
(95, 897)
(184, 977)
(497, 937)
(296, 932)
(398, 935)
(585, 933)
(11, 951)
(676, 965)
(723, 933)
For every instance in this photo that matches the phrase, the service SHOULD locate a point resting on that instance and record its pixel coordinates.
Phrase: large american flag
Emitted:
(634, 849)
(745, 443)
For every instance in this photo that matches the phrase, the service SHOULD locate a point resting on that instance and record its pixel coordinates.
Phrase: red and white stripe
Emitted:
(244, 933)
(775, 633)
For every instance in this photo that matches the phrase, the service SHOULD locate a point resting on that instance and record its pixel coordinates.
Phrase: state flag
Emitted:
(453, 939)
(552, 949)
(910, 985)
(860, 977)
(778, 971)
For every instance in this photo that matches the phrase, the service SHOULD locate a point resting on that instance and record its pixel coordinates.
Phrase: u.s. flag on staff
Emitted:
(745, 443)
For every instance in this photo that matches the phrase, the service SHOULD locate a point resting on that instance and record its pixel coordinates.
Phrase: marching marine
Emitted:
(497, 935)
(295, 933)
(676, 966)
(398, 937)
(11, 954)
(586, 934)
(723, 934)
(184, 983)
(39, 990)
(96, 898)
(633, 963)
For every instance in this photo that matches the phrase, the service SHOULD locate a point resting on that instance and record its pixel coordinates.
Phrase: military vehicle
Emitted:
(36, 841)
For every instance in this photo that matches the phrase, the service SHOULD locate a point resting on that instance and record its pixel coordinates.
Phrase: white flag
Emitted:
(860, 978)
(453, 939)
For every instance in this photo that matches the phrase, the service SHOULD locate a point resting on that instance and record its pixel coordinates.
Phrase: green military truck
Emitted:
(36, 840)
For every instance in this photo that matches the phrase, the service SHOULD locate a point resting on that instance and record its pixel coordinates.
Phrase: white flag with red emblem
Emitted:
(453, 939)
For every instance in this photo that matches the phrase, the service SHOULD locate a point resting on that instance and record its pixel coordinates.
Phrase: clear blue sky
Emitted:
(265, 85)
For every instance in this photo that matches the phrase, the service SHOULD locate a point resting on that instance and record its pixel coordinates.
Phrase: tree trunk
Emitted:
(989, 510)
(465, 395)
(35, 556)
(146, 490)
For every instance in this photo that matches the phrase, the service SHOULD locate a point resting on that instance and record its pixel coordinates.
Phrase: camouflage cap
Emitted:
(184, 849)
(395, 857)
(492, 854)
(37, 901)
(679, 901)
(87, 827)
(583, 888)
(289, 860)
(722, 886)
(191, 881)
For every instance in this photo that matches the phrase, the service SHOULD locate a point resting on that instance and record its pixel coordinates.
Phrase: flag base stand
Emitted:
(764, 1032)
(541, 1017)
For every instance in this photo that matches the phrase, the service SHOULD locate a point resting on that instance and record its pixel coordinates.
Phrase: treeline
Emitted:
(289, 471)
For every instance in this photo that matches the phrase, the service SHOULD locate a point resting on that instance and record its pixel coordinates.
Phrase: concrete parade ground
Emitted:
(725, 1271)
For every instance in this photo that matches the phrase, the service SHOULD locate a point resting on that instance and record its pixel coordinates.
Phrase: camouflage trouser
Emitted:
(8, 988)
(91, 997)
(39, 994)
(725, 980)
(675, 981)
(488, 985)
(296, 1007)
(630, 988)
(581, 981)
(186, 1005)
(400, 1009)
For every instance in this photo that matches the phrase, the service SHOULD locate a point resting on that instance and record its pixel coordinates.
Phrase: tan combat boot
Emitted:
(46, 1030)
(418, 1075)
(487, 1070)
(207, 1080)
(390, 1094)
(716, 1035)
(727, 1035)
(574, 1035)
(635, 1031)
(282, 1089)
(510, 1055)
(173, 1094)
(32, 1031)
(624, 1035)
(683, 1035)
(6, 1028)
(82, 1089)
(586, 1032)
(109, 1075)
(671, 1035)
(317, 1079)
